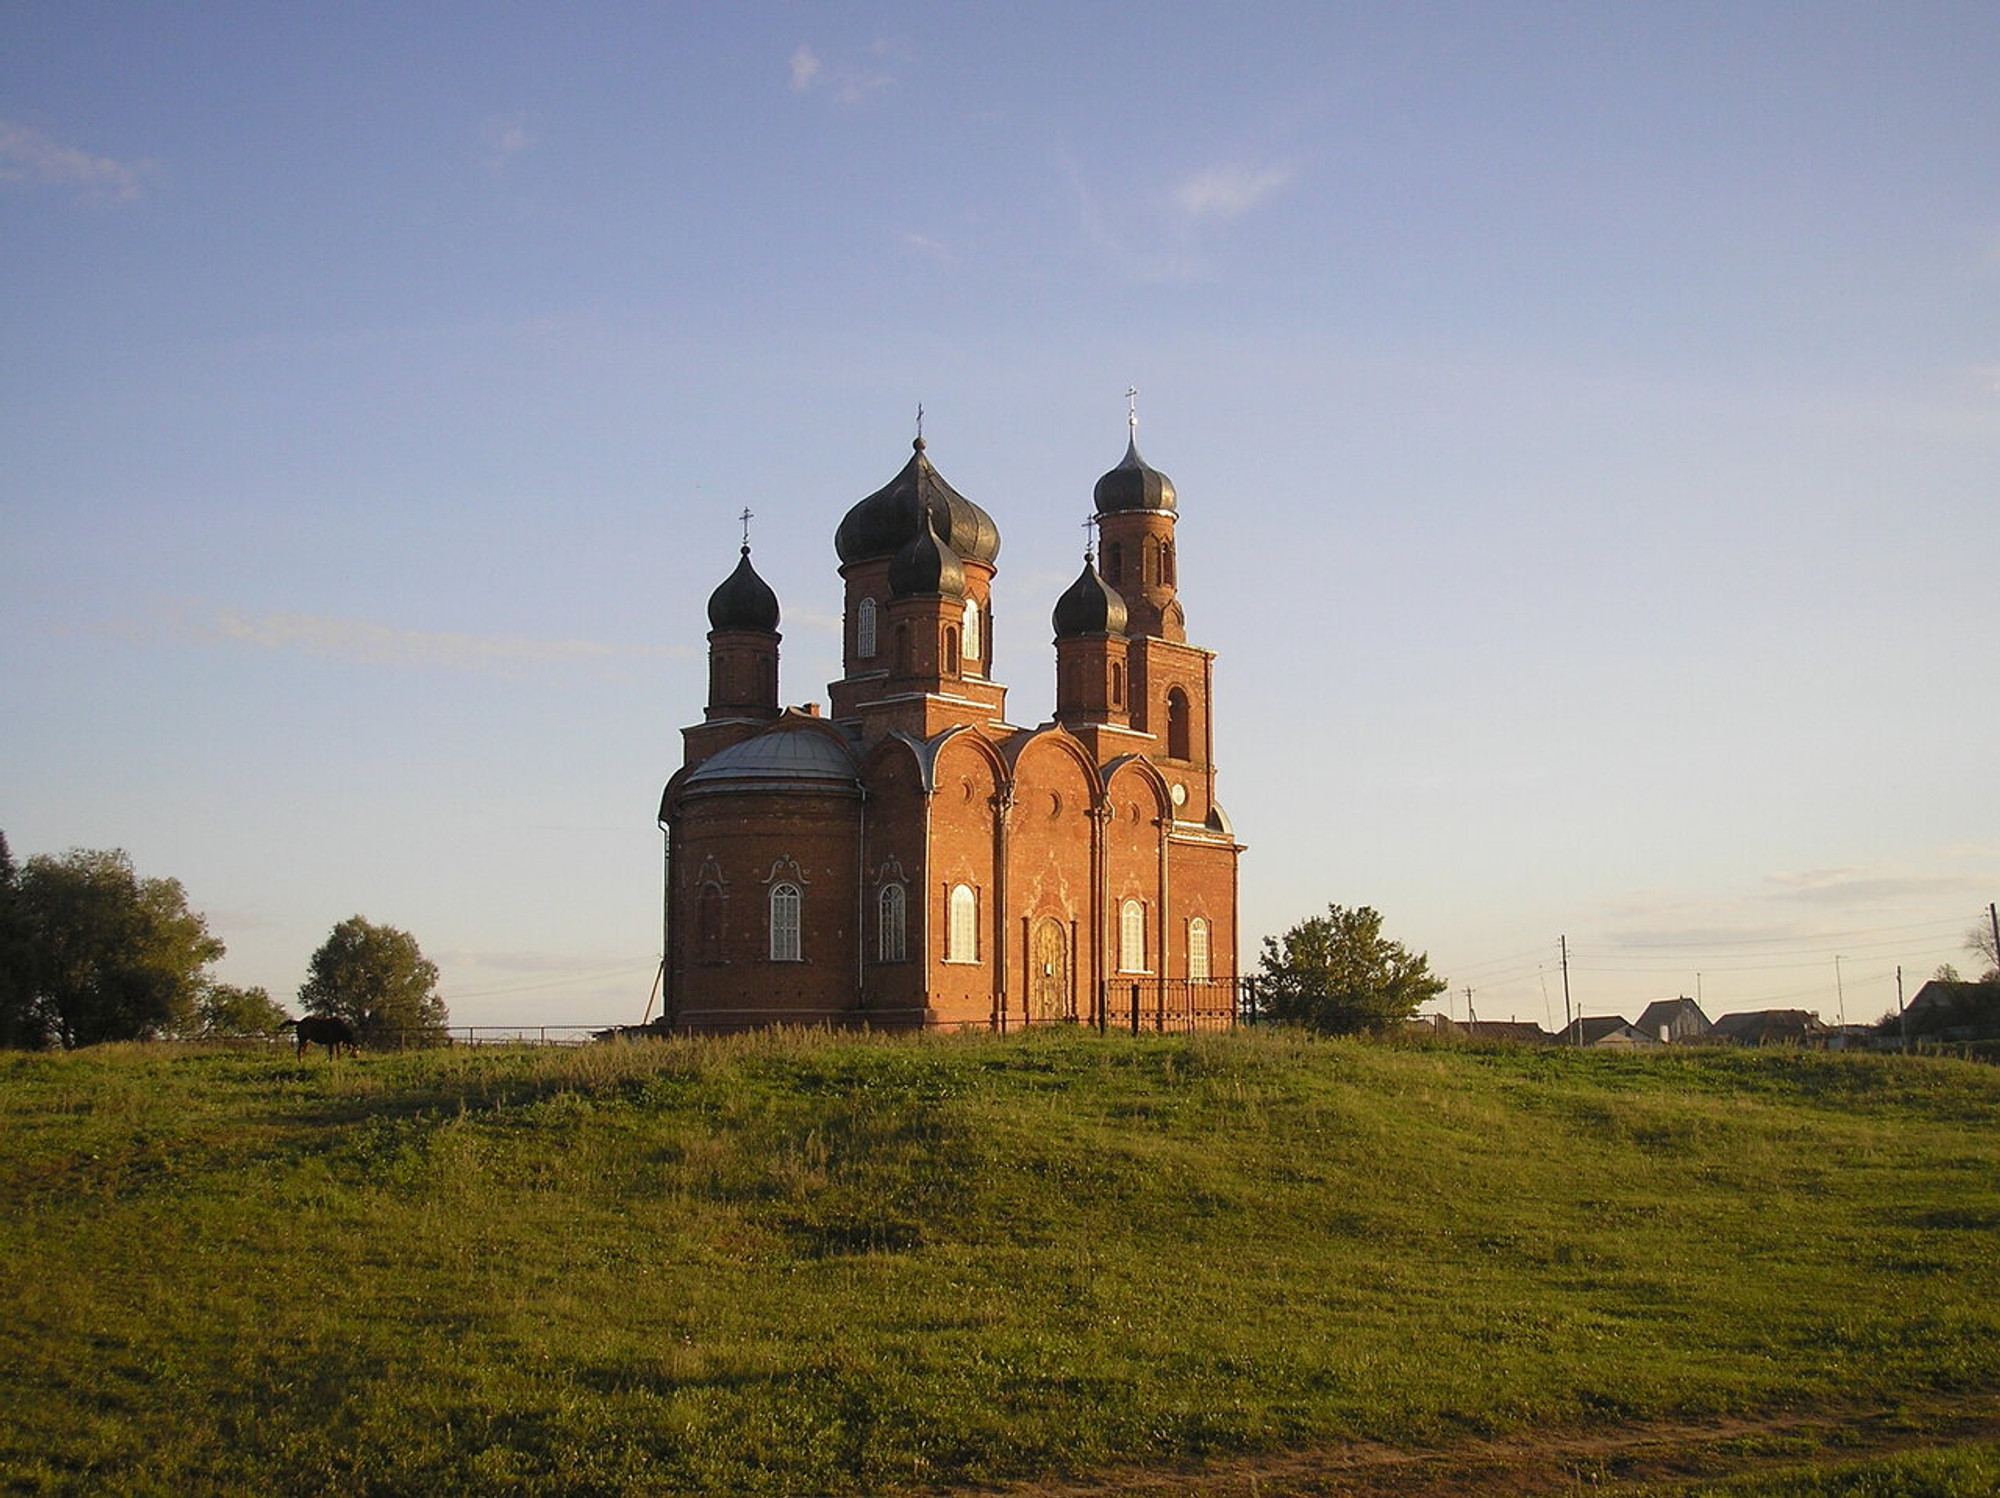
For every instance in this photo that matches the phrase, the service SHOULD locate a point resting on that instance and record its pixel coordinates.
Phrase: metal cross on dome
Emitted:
(1132, 408)
(1090, 539)
(745, 517)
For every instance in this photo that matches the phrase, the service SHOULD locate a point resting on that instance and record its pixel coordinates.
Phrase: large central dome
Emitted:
(894, 515)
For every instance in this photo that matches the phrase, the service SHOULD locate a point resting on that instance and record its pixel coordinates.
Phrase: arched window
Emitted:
(903, 657)
(1132, 937)
(1117, 684)
(718, 678)
(1197, 948)
(961, 943)
(891, 921)
(864, 629)
(1167, 563)
(951, 652)
(1114, 562)
(971, 626)
(708, 924)
(1178, 726)
(785, 945)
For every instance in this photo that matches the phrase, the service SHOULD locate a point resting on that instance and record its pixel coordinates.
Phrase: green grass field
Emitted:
(789, 1264)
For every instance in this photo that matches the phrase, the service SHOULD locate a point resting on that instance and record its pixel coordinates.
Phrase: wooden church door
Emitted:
(1051, 997)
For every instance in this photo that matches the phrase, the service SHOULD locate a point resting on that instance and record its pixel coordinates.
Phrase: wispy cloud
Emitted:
(30, 158)
(1228, 191)
(1162, 235)
(363, 642)
(930, 249)
(506, 137)
(845, 81)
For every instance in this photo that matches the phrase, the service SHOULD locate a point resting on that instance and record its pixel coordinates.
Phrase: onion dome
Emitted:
(744, 601)
(1133, 485)
(1090, 606)
(894, 515)
(926, 565)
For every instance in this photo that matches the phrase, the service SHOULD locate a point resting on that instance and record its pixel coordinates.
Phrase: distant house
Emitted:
(1514, 1032)
(1944, 1009)
(1673, 1021)
(1604, 1032)
(1768, 1027)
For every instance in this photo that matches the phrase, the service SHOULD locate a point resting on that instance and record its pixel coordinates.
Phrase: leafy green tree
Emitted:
(1337, 974)
(379, 981)
(16, 1025)
(104, 954)
(226, 1012)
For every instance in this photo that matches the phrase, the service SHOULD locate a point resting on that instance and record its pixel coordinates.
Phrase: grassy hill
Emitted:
(797, 1264)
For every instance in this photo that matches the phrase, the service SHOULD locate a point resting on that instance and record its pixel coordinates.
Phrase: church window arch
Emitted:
(971, 625)
(1132, 936)
(786, 910)
(1179, 725)
(864, 629)
(891, 923)
(1167, 563)
(1114, 562)
(1198, 948)
(961, 943)
(950, 651)
(1117, 684)
(904, 658)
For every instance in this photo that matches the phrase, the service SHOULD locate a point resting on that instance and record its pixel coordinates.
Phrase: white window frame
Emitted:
(961, 942)
(864, 629)
(972, 646)
(1198, 944)
(1132, 936)
(787, 908)
(892, 907)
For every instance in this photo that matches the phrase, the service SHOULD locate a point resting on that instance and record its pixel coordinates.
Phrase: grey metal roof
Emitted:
(784, 754)
(887, 520)
(1089, 606)
(1133, 485)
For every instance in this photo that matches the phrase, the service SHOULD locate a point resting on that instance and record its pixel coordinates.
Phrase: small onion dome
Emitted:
(1090, 606)
(894, 515)
(1133, 485)
(744, 601)
(926, 565)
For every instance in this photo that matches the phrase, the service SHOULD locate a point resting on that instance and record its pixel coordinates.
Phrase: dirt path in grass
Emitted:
(1567, 1462)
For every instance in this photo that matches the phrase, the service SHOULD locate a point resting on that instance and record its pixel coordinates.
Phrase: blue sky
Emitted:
(1586, 419)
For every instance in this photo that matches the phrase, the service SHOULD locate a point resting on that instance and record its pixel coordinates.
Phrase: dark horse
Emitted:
(329, 1030)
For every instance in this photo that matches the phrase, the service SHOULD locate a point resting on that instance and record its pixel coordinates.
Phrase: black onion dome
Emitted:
(926, 565)
(744, 601)
(1089, 606)
(1133, 485)
(893, 516)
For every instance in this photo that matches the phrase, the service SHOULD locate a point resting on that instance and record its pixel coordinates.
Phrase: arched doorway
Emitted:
(1051, 996)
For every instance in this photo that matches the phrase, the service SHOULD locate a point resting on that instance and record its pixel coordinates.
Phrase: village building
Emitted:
(909, 858)
(1676, 1021)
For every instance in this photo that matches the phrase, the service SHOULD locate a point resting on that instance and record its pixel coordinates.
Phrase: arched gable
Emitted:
(1134, 779)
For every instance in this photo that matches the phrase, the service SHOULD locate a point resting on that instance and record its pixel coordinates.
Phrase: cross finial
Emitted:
(1090, 539)
(920, 421)
(746, 517)
(1132, 408)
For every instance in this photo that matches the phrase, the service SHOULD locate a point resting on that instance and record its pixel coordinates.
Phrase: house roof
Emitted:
(1666, 1011)
(1756, 1024)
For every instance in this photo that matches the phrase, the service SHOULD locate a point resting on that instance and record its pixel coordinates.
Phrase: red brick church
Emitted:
(911, 858)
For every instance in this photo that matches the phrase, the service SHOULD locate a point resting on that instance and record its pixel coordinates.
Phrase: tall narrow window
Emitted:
(1117, 684)
(962, 929)
(1114, 562)
(971, 626)
(1197, 948)
(892, 910)
(903, 657)
(1132, 937)
(951, 652)
(785, 945)
(864, 629)
(1179, 729)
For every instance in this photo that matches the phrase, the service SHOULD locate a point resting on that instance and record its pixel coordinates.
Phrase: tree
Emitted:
(103, 954)
(376, 979)
(1982, 943)
(1339, 975)
(226, 1012)
(15, 1024)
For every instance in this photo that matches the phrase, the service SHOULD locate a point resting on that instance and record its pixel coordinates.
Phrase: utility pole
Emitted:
(1568, 1018)
(1839, 992)
(1902, 1015)
(1469, 1016)
(1993, 915)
